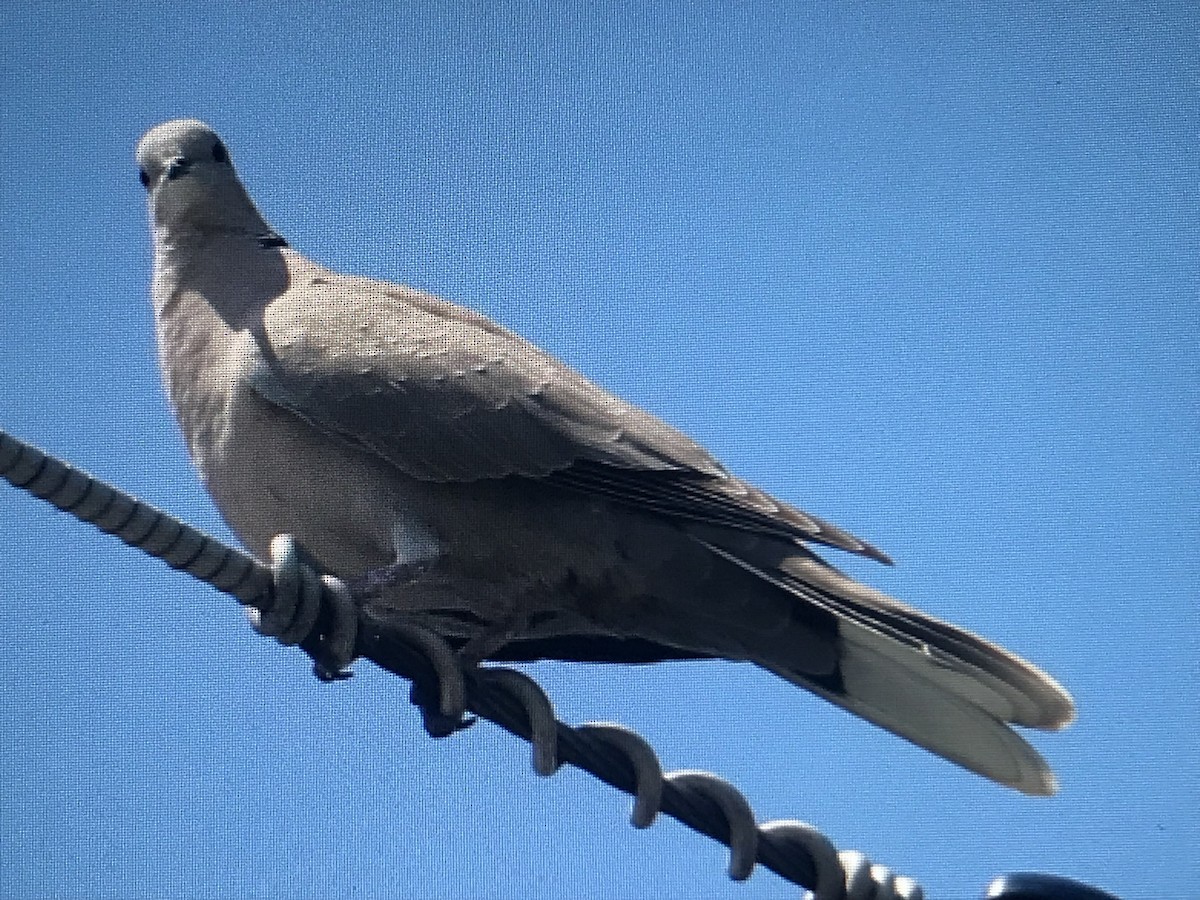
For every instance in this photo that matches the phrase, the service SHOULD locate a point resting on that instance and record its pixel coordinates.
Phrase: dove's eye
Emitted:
(220, 154)
(143, 178)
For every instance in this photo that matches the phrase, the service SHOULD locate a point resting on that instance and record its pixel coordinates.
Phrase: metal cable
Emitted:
(317, 612)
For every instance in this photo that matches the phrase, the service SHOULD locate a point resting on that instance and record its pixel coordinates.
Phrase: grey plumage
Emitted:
(519, 509)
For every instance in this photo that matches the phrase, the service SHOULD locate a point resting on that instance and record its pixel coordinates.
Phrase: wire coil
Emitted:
(298, 606)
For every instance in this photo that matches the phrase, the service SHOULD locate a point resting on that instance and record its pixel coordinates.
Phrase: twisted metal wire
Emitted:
(318, 613)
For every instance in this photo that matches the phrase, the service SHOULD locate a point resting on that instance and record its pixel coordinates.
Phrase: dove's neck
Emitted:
(197, 223)
(234, 270)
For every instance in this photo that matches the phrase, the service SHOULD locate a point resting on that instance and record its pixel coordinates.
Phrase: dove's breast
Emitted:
(274, 473)
(269, 471)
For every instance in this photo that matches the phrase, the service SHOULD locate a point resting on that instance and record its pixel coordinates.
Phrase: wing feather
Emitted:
(445, 394)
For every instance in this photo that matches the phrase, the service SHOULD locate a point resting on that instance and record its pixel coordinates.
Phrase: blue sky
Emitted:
(927, 270)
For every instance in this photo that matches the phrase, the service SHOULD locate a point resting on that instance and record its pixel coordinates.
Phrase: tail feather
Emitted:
(1011, 688)
(918, 706)
(941, 687)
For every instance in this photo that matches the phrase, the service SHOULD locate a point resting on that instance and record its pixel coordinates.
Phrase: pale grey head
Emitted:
(190, 179)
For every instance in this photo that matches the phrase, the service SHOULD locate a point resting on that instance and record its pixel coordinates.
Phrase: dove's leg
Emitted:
(419, 588)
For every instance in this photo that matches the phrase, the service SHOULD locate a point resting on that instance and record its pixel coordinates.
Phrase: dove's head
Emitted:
(190, 180)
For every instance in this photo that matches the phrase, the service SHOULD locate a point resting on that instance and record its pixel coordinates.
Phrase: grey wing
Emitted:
(445, 394)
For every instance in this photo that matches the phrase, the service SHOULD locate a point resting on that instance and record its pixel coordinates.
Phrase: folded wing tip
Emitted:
(872, 552)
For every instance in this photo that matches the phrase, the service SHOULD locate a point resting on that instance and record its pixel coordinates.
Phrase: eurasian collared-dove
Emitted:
(512, 505)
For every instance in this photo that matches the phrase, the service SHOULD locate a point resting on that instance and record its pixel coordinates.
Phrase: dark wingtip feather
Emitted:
(840, 539)
(878, 555)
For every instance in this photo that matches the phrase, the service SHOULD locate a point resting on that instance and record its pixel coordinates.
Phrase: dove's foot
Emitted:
(314, 611)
